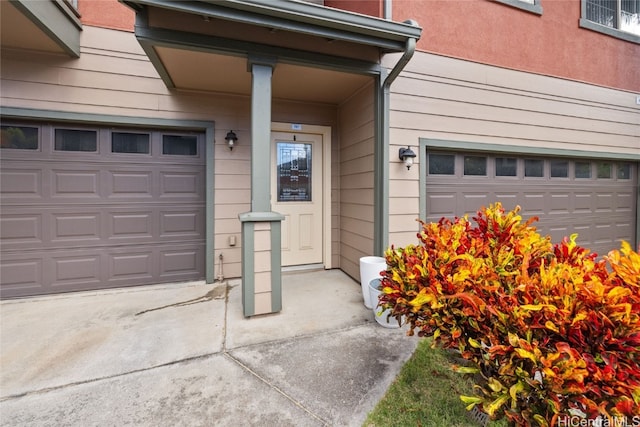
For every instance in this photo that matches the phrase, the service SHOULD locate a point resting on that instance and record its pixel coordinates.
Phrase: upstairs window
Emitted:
(532, 6)
(619, 18)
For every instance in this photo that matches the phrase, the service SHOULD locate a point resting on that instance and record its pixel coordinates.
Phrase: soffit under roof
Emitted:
(229, 74)
(43, 26)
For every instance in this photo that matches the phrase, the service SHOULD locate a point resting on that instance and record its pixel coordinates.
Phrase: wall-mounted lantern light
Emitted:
(231, 139)
(407, 155)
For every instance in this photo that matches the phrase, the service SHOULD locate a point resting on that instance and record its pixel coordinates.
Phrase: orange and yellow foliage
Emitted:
(551, 331)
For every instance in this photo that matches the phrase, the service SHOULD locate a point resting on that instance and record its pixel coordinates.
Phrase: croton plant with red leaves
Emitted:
(550, 331)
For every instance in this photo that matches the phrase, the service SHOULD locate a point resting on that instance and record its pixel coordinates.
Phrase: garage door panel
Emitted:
(131, 265)
(582, 202)
(131, 184)
(180, 261)
(83, 184)
(131, 225)
(442, 204)
(602, 232)
(624, 231)
(559, 203)
(625, 201)
(182, 223)
(20, 184)
(21, 228)
(79, 227)
(604, 202)
(181, 184)
(470, 202)
(83, 267)
(20, 272)
(509, 200)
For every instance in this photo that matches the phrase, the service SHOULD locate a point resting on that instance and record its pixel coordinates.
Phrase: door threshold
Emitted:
(302, 268)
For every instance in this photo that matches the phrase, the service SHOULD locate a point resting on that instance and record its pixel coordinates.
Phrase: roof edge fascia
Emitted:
(299, 17)
(56, 21)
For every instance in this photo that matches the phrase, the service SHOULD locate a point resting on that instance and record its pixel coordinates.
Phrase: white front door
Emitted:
(296, 193)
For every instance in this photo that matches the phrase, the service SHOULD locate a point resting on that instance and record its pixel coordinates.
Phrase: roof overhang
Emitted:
(203, 45)
(298, 17)
(50, 26)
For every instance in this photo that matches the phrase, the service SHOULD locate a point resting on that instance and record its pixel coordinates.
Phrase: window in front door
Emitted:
(294, 172)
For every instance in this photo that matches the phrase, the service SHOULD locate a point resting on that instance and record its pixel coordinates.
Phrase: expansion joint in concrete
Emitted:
(276, 388)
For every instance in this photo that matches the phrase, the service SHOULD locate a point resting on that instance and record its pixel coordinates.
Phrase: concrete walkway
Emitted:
(183, 354)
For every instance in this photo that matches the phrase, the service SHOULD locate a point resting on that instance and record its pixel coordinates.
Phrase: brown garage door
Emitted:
(90, 208)
(594, 198)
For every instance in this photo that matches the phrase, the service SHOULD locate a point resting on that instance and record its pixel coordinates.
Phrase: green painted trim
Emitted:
(637, 242)
(260, 136)
(210, 180)
(68, 9)
(613, 32)
(248, 220)
(519, 4)
(57, 23)
(276, 266)
(151, 37)
(260, 217)
(422, 191)
(102, 119)
(299, 17)
(248, 269)
(381, 166)
(142, 22)
(519, 149)
(64, 116)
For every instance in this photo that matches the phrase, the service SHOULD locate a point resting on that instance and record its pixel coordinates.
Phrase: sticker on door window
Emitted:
(294, 172)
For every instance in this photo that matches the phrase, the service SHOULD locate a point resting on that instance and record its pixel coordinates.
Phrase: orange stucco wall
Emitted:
(107, 14)
(366, 7)
(494, 33)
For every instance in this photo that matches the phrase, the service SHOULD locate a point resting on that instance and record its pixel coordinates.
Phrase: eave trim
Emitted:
(300, 17)
(56, 21)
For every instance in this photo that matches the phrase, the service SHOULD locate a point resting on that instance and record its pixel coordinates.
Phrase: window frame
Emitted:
(594, 26)
(526, 6)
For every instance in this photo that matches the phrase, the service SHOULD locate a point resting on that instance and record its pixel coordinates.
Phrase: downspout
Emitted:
(409, 50)
(381, 196)
(387, 8)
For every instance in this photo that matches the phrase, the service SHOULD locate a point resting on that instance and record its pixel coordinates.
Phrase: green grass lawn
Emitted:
(425, 393)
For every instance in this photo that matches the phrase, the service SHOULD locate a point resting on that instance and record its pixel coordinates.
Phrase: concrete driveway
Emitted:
(183, 354)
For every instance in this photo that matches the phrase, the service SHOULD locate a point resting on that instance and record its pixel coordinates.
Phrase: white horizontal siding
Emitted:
(356, 180)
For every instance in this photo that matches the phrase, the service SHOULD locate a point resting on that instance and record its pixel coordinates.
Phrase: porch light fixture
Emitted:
(407, 155)
(232, 138)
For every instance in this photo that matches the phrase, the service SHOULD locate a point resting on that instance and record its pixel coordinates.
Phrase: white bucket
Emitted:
(370, 268)
(382, 317)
